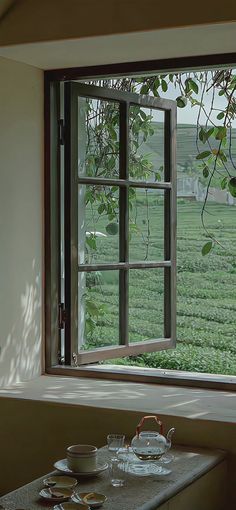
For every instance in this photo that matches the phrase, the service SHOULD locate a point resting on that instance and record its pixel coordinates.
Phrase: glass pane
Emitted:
(98, 228)
(98, 138)
(146, 225)
(206, 319)
(98, 319)
(146, 161)
(146, 304)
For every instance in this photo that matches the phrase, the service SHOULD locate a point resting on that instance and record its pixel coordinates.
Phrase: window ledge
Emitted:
(190, 403)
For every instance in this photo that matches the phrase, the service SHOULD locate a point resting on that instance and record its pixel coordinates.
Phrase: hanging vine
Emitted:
(214, 146)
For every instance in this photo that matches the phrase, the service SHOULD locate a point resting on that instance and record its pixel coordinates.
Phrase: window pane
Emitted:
(146, 161)
(146, 304)
(98, 138)
(98, 321)
(206, 319)
(146, 225)
(98, 228)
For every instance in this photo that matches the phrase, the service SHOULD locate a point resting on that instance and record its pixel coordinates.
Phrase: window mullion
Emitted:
(170, 227)
(124, 224)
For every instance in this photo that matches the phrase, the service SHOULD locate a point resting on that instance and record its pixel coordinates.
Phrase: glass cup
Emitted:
(119, 467)
(115, 442)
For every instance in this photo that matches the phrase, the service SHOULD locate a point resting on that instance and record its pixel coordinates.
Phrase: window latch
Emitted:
(61, 315)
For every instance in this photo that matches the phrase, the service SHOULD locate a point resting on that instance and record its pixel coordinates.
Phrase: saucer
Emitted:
(62, 465)
(54, 495)
(147, 469)
(62, 482)
(71, 506)
(93, 499)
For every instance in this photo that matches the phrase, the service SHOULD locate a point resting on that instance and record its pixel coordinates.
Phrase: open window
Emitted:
(102, 183)
(84, 300)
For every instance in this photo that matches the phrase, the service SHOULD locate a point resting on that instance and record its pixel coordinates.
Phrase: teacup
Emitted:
(82, 458)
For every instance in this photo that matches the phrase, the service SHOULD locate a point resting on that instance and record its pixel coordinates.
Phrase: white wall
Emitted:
(21, 199)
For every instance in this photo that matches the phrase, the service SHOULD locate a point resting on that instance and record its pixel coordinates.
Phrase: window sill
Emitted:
(185, 402)
(149, 375)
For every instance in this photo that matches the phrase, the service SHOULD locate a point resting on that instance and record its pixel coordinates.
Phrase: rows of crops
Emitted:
(206, 306)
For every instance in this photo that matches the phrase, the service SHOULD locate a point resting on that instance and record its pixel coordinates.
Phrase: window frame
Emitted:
(74, 91)
(52, 100)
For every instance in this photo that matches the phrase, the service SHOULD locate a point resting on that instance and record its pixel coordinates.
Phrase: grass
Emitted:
(206, 306)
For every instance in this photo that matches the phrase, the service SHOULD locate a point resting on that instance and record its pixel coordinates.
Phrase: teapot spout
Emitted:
(168, 437)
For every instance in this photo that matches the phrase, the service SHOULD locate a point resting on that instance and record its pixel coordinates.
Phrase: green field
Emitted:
(206, 306)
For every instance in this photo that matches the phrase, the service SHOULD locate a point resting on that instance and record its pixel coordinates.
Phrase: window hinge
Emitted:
(61, 359)
(61, 315)
(75, 359)
(61, 132)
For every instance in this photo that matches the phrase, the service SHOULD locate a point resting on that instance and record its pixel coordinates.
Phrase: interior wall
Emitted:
(21, 170)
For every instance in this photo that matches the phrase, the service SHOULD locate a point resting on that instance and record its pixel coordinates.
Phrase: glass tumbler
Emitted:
(119, 467)
(115, 441)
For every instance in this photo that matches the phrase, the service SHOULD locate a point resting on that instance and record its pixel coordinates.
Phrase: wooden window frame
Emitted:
(52, 285)
(125, 100)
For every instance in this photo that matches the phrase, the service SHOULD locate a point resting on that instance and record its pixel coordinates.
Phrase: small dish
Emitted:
(62, 465)
(58, 481)
(93, 499)
(71, 506)
(58, 494)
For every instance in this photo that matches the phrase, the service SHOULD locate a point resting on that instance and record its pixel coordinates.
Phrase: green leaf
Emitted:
(91, 242)
(164, 86)
(144, 89)
(224, 182)
(112, 229)
(143, 114)
(194, 86)
(209, 132)
(157, 83)
(205, 172)
(191, 85)
(112, 133)
(232, 186)
(220, 115)
(222, 156)
(221, 93)
(207, 248)
(101, 208)
(181, 101)
(203, 155)
(204, 135)
(221, 133)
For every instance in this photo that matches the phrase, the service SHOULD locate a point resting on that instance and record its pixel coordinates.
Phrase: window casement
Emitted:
(74, 262)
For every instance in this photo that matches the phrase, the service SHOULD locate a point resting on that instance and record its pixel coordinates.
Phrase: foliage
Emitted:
(215, 160)
(214, 128)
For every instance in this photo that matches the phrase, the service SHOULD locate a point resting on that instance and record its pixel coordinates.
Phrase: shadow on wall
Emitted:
(20, 354)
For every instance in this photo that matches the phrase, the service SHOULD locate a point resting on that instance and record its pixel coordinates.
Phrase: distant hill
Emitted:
(186, 145)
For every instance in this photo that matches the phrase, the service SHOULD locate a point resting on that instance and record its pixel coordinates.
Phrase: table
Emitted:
(139, 493)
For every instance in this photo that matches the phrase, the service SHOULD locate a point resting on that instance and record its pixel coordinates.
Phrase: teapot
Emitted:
(151, 445)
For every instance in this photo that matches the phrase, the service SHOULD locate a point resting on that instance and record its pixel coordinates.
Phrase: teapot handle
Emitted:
(158, 421)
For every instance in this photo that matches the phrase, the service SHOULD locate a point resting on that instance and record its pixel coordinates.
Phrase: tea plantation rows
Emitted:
(206, 304)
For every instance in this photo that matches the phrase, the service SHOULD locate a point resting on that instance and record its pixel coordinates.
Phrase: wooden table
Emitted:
(142, 493)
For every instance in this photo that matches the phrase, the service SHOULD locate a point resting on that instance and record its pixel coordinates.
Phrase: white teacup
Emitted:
(82, 458)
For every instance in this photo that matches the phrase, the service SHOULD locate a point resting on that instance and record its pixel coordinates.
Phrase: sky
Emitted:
(188, 115)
